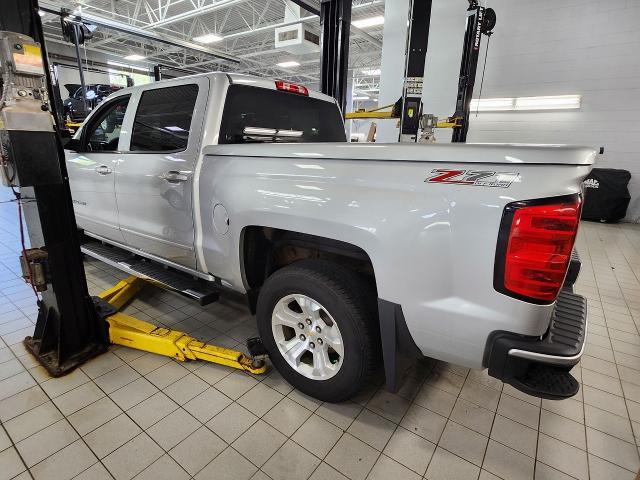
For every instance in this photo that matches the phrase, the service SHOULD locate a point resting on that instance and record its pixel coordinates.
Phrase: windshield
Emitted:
(259, 115)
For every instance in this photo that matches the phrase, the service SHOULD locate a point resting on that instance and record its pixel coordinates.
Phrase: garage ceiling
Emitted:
(246, 28)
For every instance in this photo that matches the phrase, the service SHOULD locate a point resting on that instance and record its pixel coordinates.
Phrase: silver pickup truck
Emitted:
(350, 254)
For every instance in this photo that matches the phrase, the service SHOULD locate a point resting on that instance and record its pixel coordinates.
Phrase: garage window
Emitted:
(260, 115)
(163, 119)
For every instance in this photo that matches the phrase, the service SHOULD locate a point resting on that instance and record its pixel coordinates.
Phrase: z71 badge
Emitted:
(477, 178)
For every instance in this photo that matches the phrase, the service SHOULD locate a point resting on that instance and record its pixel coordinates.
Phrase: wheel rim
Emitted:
(307, 337)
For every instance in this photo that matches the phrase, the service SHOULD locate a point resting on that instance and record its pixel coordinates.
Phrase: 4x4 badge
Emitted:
(478, 178)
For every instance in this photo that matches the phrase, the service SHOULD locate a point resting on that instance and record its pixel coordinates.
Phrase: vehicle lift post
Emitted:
(480, 20)
(72, 327)
(335, 25)
(68, 331)
(416, 54)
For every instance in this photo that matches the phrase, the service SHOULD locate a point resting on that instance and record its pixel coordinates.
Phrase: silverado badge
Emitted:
(478, 178)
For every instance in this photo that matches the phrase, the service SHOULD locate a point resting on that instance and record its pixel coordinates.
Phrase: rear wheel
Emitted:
(316, 322)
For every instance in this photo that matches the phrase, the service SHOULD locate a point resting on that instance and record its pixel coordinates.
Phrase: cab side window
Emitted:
(103, 133)
(163, 119)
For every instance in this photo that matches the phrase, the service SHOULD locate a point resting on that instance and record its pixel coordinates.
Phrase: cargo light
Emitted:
(291, 87)
(534, 247)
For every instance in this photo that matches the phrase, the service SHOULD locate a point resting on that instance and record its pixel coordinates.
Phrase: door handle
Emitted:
(172, 176)
(103, 170)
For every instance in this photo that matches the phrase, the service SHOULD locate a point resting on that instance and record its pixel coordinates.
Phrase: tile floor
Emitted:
(128, 414)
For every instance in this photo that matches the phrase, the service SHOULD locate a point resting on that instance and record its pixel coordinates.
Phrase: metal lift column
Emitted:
(416, 52)
(480, 21)
(335, 22)
(68, 330)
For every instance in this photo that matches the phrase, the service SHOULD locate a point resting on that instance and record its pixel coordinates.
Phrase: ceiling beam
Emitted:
(146, 35)
(311, 6)
(212, 7)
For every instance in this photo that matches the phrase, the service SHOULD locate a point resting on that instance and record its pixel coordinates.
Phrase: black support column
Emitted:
(468, 66)
(68, 330)
(480, 21)
(416, 52)
(335, 23)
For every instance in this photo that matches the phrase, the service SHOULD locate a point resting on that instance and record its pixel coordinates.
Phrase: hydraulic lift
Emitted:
(135, 333)
(480, 21)
(72, 327)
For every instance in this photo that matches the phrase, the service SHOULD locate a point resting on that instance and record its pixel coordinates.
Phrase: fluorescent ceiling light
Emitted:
(368, 22)
(288, 64)
(489, 104)
(374, 89)
(208, 38)
(374, 72)
(134, 57)
(363, 97)
(554, 102)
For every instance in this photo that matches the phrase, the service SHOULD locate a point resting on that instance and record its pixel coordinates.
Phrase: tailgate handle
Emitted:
(172, 176)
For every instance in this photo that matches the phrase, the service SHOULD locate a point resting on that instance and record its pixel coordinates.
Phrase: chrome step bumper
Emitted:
(540, 366)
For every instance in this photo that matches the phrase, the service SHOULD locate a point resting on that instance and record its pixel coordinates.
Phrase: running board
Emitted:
(160, 275)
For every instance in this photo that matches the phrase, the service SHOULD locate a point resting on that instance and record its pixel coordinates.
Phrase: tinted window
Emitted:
(103, 133)
(254, 114)
(163, 119)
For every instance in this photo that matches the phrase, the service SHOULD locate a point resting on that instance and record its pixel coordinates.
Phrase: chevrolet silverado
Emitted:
(349, 254)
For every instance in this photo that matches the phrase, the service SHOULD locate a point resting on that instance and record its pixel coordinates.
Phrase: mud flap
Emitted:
(398, 348)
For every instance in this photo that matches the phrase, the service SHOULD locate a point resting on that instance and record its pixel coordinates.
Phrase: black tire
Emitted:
(349, 300)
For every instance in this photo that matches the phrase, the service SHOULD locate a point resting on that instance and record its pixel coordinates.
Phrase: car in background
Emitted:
(75, 109)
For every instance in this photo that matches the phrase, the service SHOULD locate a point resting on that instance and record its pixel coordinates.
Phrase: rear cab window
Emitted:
(259, 115)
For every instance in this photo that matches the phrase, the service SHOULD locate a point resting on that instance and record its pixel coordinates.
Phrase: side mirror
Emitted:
(72, 144)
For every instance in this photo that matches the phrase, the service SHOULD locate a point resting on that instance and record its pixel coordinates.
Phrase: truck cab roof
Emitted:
(232, 78)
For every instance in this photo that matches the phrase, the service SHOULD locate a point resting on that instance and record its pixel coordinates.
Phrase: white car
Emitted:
(349, 253)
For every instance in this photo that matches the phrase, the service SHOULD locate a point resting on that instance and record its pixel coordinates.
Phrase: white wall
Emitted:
(394, 46)
(549, 47)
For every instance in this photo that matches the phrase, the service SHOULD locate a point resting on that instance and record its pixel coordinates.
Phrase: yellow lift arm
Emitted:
(134, 333)
(381, 113)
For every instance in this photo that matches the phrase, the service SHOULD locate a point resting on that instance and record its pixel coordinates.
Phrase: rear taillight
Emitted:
(292, 87)
(534, 247)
